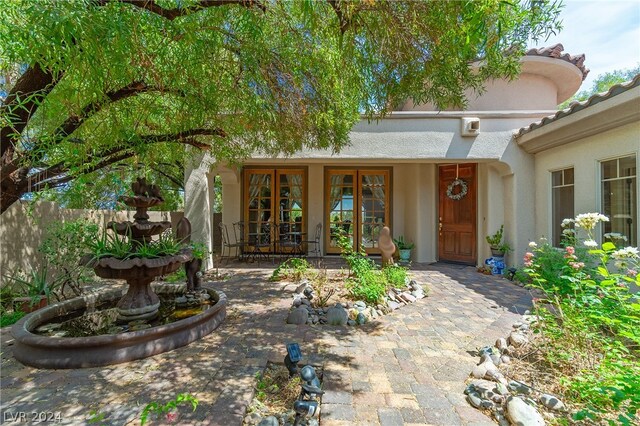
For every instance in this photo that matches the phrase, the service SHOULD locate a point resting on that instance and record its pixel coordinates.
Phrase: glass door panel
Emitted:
(259, 211)
(290, 222)
(340, 207)
(373, 208)
(357, 203)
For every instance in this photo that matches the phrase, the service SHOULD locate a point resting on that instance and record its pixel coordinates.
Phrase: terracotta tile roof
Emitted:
(555, 51)
(579, 106)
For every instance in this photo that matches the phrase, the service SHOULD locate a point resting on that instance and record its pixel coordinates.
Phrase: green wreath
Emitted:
(460, 194)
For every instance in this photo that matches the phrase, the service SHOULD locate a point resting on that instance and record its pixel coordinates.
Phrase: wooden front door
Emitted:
(457, 218)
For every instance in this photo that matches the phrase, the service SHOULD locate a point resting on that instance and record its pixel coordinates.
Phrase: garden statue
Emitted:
(192, 267)
(386, 245)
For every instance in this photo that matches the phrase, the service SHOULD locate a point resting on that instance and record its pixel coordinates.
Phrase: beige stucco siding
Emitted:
(584, 156)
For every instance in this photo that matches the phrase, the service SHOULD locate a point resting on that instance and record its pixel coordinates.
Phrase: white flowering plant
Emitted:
(590, 319)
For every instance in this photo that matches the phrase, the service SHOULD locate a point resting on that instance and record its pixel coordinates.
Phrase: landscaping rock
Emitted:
(297, 300)
(361, 319)
(407, 297)
(417, 294)
(505, 359)
(474, 399)
(269, 421)
(521, 414)
(306, 301)
(517, 339)
(298, 316)
(351, 322)
(479, 371)
(501, 344)
(519, 387)
(393, 305)
(551, 402)
(308, 292)
(360, 305)
(337, 315)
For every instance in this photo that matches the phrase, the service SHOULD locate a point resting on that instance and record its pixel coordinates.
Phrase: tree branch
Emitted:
(344, 23)
(21, 103)
(47, 178)
(171, 14)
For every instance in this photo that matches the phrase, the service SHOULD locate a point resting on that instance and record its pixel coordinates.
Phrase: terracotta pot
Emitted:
(29, 304)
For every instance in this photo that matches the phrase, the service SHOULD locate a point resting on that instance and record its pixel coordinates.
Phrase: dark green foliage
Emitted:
(105, 86)
(293, 269)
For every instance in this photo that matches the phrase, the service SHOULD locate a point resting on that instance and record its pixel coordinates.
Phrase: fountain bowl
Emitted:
(80, 352)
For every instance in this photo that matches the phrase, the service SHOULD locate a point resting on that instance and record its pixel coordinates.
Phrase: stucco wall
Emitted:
(23, 228)
(584, 156)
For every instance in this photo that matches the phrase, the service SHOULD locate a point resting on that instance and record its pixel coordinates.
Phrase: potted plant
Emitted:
(498, 247)
(37, 286)
(404, 248)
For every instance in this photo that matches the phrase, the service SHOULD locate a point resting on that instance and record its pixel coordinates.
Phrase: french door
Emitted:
(357, 205)
(274, 211)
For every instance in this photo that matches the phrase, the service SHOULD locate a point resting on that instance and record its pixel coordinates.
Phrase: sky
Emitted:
(606, 31)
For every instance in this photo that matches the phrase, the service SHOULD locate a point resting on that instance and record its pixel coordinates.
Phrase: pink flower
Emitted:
(172, 417)
(632, 272)
(570, 250)
(528, 256)
(528, 263)
(576, 265)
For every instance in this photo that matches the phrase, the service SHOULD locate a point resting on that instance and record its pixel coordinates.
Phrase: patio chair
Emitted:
(263, 239)
(315, 241)
(227, 244)
(238, 228)
(289, 242)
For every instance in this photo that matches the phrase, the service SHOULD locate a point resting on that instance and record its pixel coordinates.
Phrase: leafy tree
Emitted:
(602, 83)
(126, 81)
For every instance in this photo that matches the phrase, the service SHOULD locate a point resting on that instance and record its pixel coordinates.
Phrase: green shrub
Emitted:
(10, 318)
(590, 322)
(64, 244)
(368, 282)
(292, 269)
(396, 275)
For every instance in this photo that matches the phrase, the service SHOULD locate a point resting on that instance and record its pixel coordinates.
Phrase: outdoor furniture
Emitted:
(262, 240)
(227, 244)
(238, 228)
(315, 241)
(291, 243)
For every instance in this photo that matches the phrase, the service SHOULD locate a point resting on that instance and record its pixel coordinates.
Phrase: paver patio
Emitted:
(407, 368)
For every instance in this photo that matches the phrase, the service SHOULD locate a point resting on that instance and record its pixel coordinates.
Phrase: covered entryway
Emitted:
(457, 224)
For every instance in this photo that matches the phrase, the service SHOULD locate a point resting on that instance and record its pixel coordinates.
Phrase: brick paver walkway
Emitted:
(406, 368)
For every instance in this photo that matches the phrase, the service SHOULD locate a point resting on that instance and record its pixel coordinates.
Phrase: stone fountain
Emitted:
(135, 307)
(140, 302)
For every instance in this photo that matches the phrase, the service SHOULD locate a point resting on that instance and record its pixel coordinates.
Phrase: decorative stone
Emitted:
(306, 301)
(337, 315)
(505, 359)
(502, 389)
(297, 300)
(519, 387)
(393, 305)
(407, 297)
(474, 399)
(417, 294)
(479, 371)
(181, 300)
(522, 414)
(361, 319)
(269, 421)
(551, 402)
(501, 344)
(351, 322)
(360, 305)
(298, 316)
(516, 339)
(308, 292)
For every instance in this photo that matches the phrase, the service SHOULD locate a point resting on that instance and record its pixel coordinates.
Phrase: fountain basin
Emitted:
(80, 352)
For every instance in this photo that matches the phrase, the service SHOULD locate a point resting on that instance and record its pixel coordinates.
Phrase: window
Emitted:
(561, 201)
(619, 197)
(356, 203)
(274, 211)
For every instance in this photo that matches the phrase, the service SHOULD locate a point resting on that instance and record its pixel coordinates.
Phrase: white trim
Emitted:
(537, 114)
